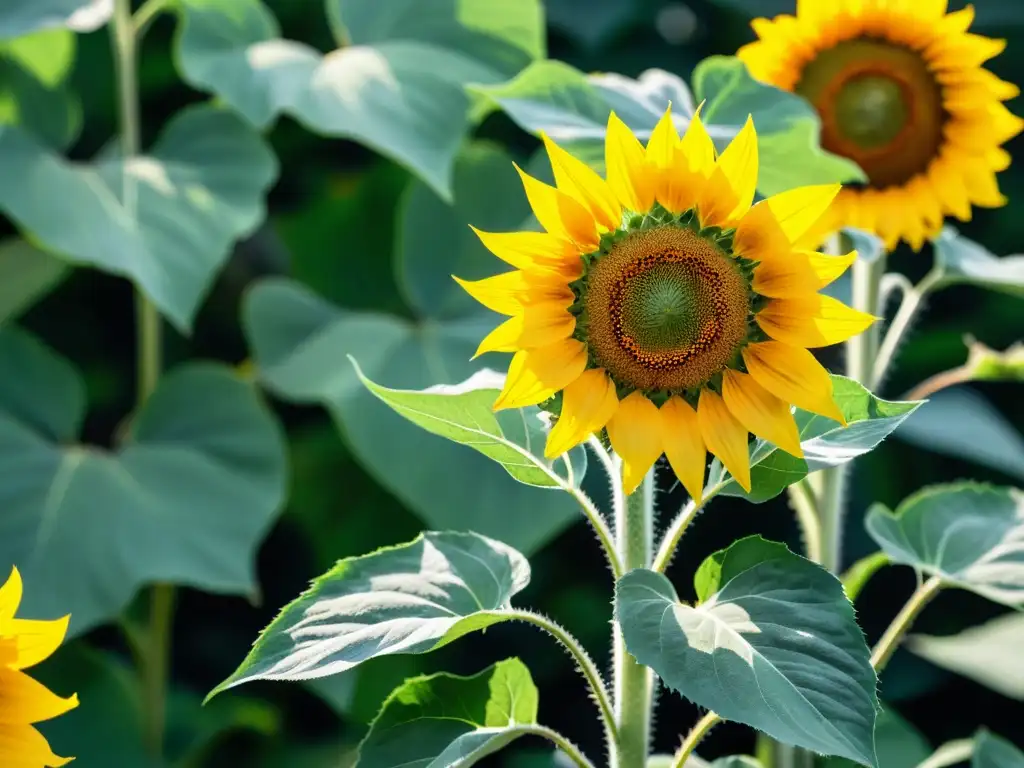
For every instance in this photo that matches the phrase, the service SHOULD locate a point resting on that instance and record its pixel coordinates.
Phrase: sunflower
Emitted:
(662, 306)
(23, 701)
(900, 89)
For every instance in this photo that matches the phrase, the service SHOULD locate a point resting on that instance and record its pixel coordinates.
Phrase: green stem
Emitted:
(910, 303)
(694, 737)
(155, 646)
(670, 541)
(950, 753)
(571, 750)
(805, 505)
(634, 683)
(860, 573)
(887, 645)
(596, 519)
(145, 15)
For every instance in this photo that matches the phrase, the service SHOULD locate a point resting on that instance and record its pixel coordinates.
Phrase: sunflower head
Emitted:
(23, 644)
(901, 90)
(661, 305)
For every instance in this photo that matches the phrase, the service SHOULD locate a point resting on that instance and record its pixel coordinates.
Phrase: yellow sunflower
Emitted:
(662, 306)
(23, 701)
(900, 89)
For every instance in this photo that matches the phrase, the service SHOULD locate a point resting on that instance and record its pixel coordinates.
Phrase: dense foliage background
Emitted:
(339, 215)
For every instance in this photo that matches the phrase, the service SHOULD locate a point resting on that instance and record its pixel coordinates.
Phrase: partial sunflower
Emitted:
(900, 89)
(661, 305)
(23, 644)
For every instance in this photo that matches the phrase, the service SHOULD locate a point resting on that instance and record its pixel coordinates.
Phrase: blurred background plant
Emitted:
(315, 208)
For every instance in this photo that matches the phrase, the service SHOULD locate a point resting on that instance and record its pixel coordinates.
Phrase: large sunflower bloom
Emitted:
(661, 305)
(900, 89)
(23, 701)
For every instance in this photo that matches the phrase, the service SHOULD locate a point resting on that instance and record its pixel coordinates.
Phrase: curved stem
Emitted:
(805, 505)
(860, 573)
(571, 750)
(939, 381)
(586, 666)
(614, 473)
(950, 753)
(909, 306)
(693, 738)
(604, 533)
(674, 533)
(887, 645)
(829, 488)
(145, 15)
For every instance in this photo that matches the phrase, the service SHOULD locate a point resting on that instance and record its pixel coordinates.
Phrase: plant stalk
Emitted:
(889, 641)
(633, 682)
(155, 647)
(694, 737)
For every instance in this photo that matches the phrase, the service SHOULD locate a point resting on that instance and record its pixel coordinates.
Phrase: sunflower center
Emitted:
(880, 106)
(666, 309)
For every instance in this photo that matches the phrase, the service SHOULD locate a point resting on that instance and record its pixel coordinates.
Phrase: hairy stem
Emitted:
(600, 525)
(909, 306)
(673, 535)
(694, 737)
(887, 645)
(571, 750)
(805, 505)
(633, 682)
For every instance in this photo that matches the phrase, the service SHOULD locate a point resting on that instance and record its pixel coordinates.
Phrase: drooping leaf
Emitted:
(185, 498)
(448, 721)
(398, 85)
(200, 190)
(772, 642)
(26, 275)
(968, 534)
(988, 654)
(411, 598)
(21, 17)
(960, 260)
(825, 442)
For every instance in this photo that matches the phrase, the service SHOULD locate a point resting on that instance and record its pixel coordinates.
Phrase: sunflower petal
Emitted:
(587, 405)
(760, 411)
(538, 325)
(533, 251)
(661, 147)
(509, 292)
(739, 165)
(797, 210)
(24, 747)
(36, 640)
(560, 214)
(635, 434)
(812, 321)
(26, 701)
(794, 375)
(697, 147)
(10, 595)
(684, 446)
(534, 375)
(724, 436)
(629, 177)
(579, 181)
(504, 338)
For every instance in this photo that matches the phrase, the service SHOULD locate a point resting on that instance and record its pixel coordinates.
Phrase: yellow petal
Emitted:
(504, 338)
(26, 701)
(661, 147)
(759, 236)
(10, 595)
(560, 214)
(587, 405)
(793, 374)
(684, 446)
(799, 273)
(534, 375)
(797, 210)
(635, 434)
(760, 411)
(811, 321)
(739, 165)
(507, 293)
(533, 251)
(724, 436)
(626, 166)
(697, 147)
(36, 640)
(579, 181)
(22, 746)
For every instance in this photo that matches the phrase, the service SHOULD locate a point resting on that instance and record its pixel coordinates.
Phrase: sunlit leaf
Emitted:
(20, 17)
(960, 260)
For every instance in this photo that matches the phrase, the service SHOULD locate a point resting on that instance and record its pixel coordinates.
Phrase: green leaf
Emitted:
(27, 274)
(984, 364)
(444, 720)
(189, 492)
(991, 751)
(200, 190)
(20, 17)
(411, 598)
(898, 744)
(825, 442)
(968, 534)
(32, 90)
(960, 260)
(772, 643)
(572, 107)
(988, 654)
(398, 87)
(962, 423)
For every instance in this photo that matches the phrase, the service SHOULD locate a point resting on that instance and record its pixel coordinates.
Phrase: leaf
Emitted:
(898, 744)
(772, 643)
(991, 751)
(984, 364)
(398, 87)
(960, 422)
(572, 107)
(968, 534)
(27, 274)
(988, 654)
(20, 17)
(411, 598)
(184, 499)
(825, 442)
(444, 720)
(959, 260)
(200, 190)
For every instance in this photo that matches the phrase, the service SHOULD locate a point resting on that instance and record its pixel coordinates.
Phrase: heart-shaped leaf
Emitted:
(968, 534)
(411, 598)
(200, 190)
(397, 85)
(772, 642)
(448, 721)
(960, 260)
(20, 17)
(826, 443)
(185, 499)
